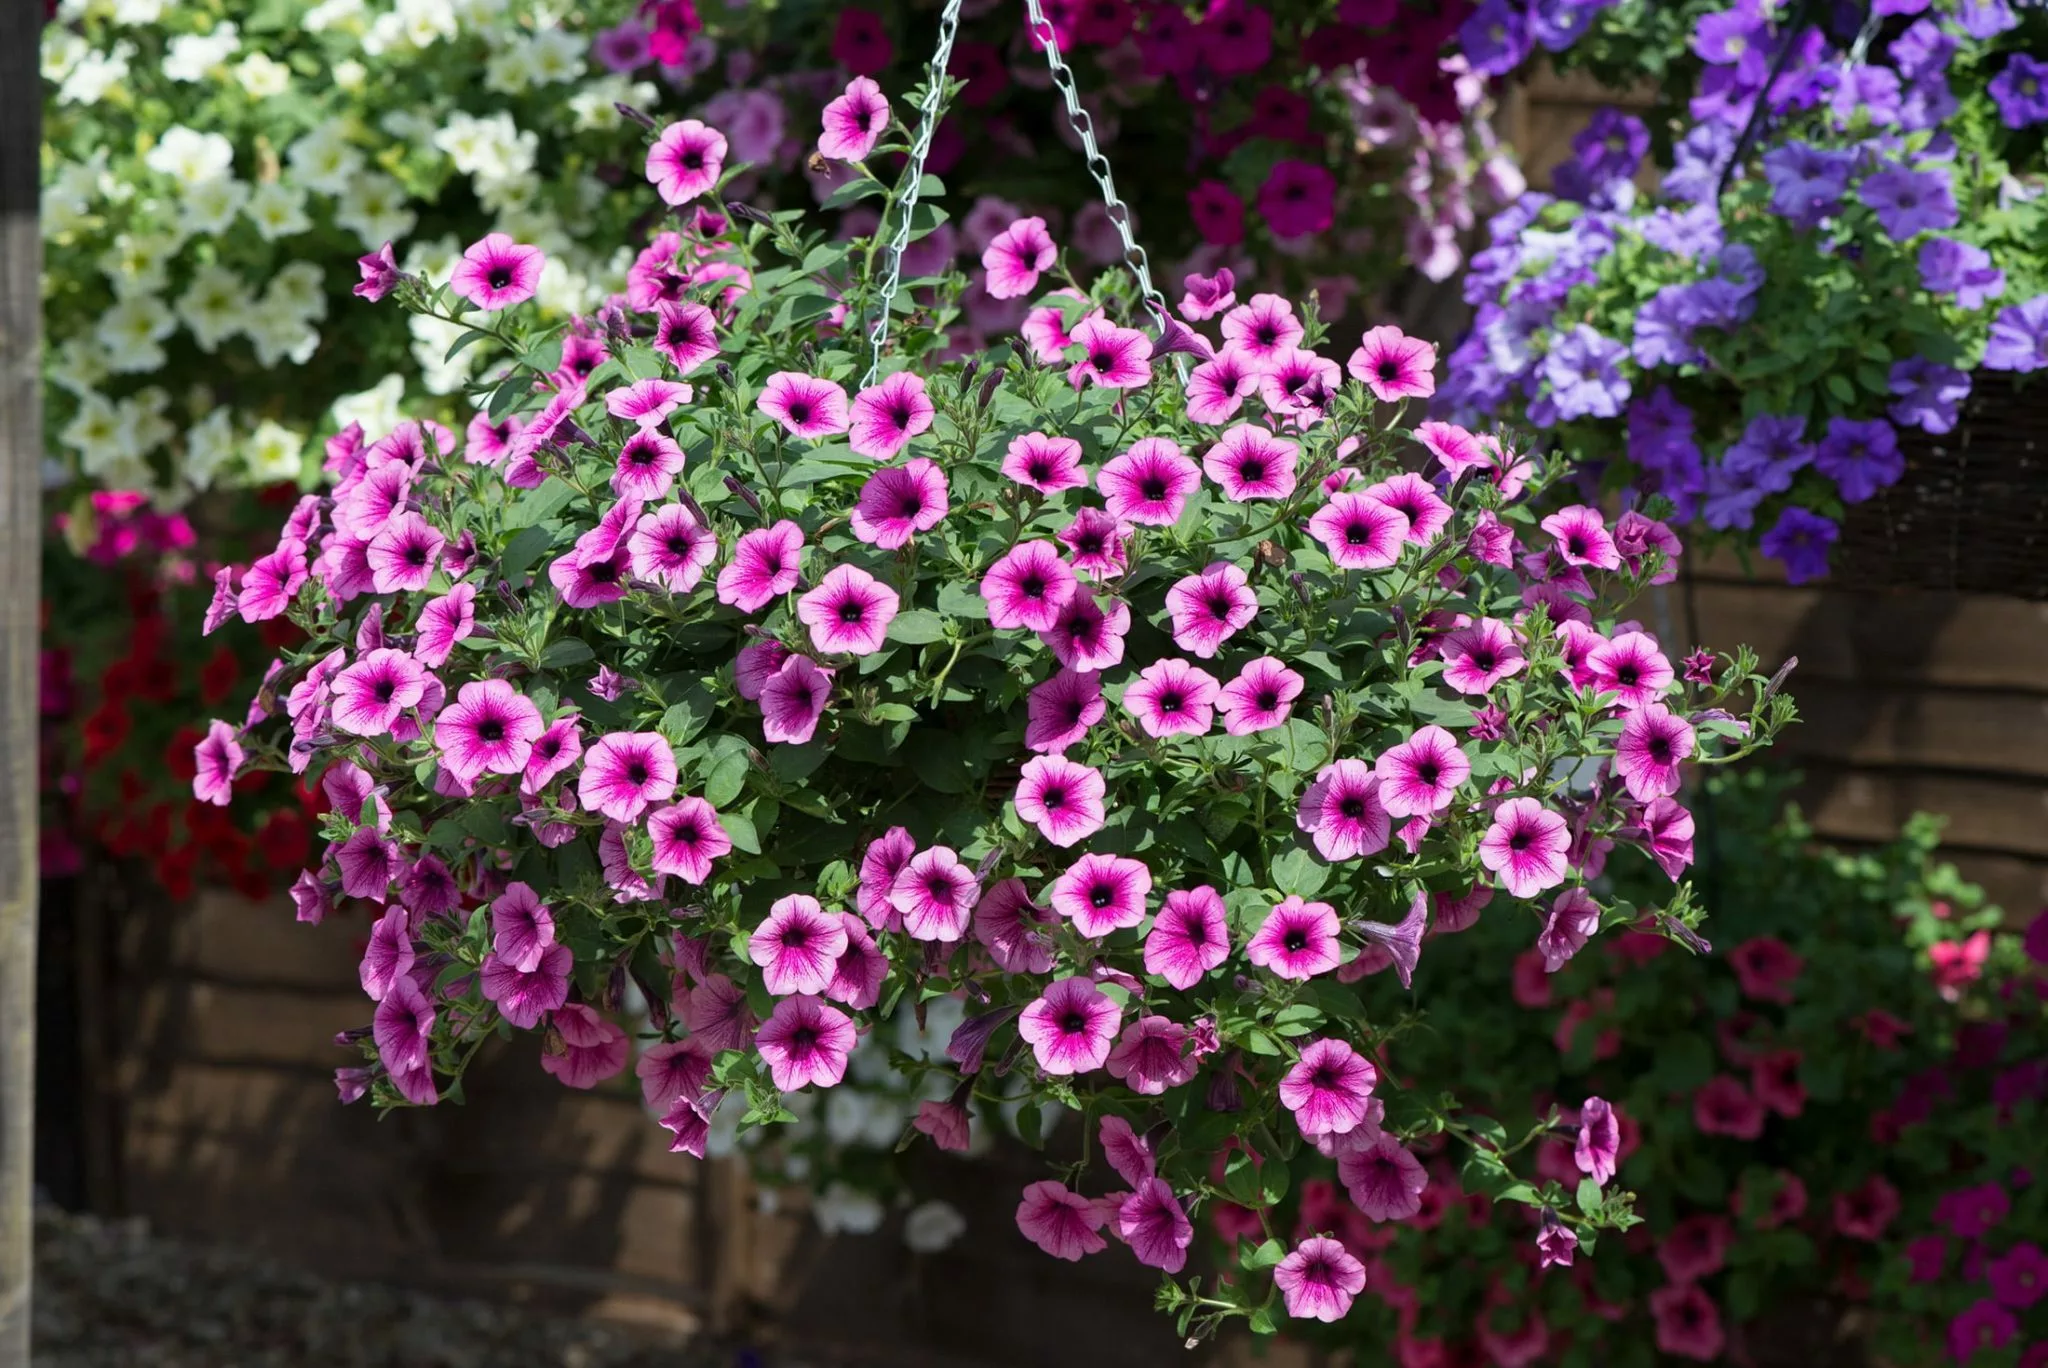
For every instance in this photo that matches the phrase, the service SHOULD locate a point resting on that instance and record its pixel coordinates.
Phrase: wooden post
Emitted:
(21, 457)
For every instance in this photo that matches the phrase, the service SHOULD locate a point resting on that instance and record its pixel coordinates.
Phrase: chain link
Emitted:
(920, 148)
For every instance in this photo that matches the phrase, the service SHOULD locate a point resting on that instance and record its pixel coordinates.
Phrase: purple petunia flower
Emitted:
(1927, 393)
(1800, 539)
(1495, 38)
(1909, 202)
(1961, 269)
(2019, 337)
(1583, 370)
(1861, 457)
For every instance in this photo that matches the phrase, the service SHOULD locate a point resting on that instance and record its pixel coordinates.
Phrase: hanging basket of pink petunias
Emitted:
(767, 659)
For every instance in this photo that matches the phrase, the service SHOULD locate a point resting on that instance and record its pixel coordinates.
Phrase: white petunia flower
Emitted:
(298, 288)
(425, 22)
(131, 330)
(323, 160)
(274, 453)
(510, 71)
(214, 305)
(190, 56)
(330, 13)
(95, 431)
(376, 408)
(263, 76)
(209, 446)
(374, 210)
(190, 157)
(932, 1226)
(349, 74)
(431, 339)
(142, 415)
(555, 57)
(277, 335)
(841, 1209)
(278, 210)
(77, 365)
(95, 73)
(135, 13)
(211, 205)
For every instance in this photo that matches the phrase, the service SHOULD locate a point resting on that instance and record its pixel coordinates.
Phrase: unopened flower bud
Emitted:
(746, 494)
(988, 863)
(640, 117)
(724, 372)
(747, 213)
(990, 383)
(967, 373)
(615, 987)
(1778, 679)
(1300, 584)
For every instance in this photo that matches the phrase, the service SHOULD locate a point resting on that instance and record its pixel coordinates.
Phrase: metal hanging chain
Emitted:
(1047, 38)
(920, 148)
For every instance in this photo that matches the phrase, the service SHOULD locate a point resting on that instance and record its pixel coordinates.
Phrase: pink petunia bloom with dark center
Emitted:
(1298, 940)
(215, 759)
(405, 554)
(1631, 668)
(671, 548)
(1261, 697)
(805, 1041)
(1394, 366)
(1525, 846)
(1481, 655)
(685, 161)
(524, 996)
(1723, 1106)
(765, 565)
(1203, 297)
(1028, 587)
(554, 751)
(793, 699)
(1070, 1027)
(1250, 462)
(850, 611)
(1189, 937)
(1319, 1280)
(1151, 1056)
(806, 405)
(880, 863)
(647, 466)
(625, 773)
(1152, 1223)
(272, 582)
(1218, 387)
(645, 403)
(1149, 484)
(1414, 499)
(1300, 386)
(1597, 1151)
(1209, 608)
(496, 272)
(1016, 256)
(1421, 775)
(1328, 1087)
(1046, 464)
(1011, 927)
(1172, 697)
(687, 837)
(1061, 798)
(1262, 329)
(1060, 711)
(1062, 1223)
(1095, 541)
(1360, 533)
(1084, 637)
(1688, 1323)
(1574, 918)
(403, 1026)
(798, 946)
(935, 895)
(369, 696)
(898, 502)
(1101, 894)
(686, 333)
(1582, 538)
(443, 622)
(1111, 356)
(1383, 1179)
(490, 728)
(858, 973)
(1654, 742)
(1342, 811)
(854, 121)
(883, 419)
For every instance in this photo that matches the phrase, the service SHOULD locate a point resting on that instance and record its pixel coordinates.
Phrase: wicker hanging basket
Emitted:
(1970, 514)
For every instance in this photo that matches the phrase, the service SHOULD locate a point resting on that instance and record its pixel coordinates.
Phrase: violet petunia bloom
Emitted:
(935, 894)
(1319, 1280)
(1250, 462)
(1383, 1179)
(1028, 587)
(1128, 1153)
(1062, 799)
(1149, 484)
(1070, 1027)
(1328, 1087)
(1152, 1223)
(685, 161)
(1016, 256)
(2018, 342)
(1172, 698)
(1084, 637)
(647, 466)
(1400, 943)
(1630, 667)
(1573, 919)
(687, 837)
(880, 863)
(898, 502)
(524, 996)
(1342, 811)
(1584, 375)
(805, 1041)
(854, 122)
(380, 274)
(1060, 711)
(368, 863)
(496, 273)
(1526, 847)
(1394, 366)
(1298, 940)
(215, 759)
(1800, 539)
(765, 564)
(1189, 937)
(671, 548)
(1298, 199)
(1654, 741)
(793, 699)
(1359, 532)
(755, 665)
(1926, 394)
(1209, 608)
(1046, 464)
(1597, 1152)
(1010, 926)
(489, 729)
(1263, 329)
(1101, 894)
(687, 334)
(1261, 697)
(798, 946)
(1962, 269)
(1908, 202)
(805, 405)
(1095, 540)
(370, 695)
(883, 419)
(1860, 457)
(1151, 1056)
(625, 773)
(1111, 356)
(1062, 1223)
(850, 611)
(1421, 775)
(1479, 656)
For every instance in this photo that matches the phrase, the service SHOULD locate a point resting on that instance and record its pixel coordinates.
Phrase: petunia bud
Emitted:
(746, 495)
(1224, 1095)
(747, 213)
(615, 987)
(637, 116)
(1778, 679)
(967, 372)
(989, 385)
(724, 372)
(1301, 589)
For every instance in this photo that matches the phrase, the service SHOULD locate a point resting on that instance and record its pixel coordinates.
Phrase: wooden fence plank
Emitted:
(1989, 815)
(1876, 726)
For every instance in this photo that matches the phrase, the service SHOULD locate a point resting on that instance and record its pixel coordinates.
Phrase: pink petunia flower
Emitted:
(645, 403)
(687, 837)
(490, 728)
(1203, 297)
(1982, 1325)
(687, 334)
(806, 405)
(1597, 1152)
(1218, 387)
(1250, 462)
(1060, 711)
(673, 1071)
(1480, 656)
(626, 773)
(1573, 919)
(1298, 198)
(793, 699)
(1421, 775)
(368, 863)
(272, 582)
(858, 973)
(524, 996)
(380, 274)
(715, 1011)
(1101, 894)
(647, 466)
(216, 758)
(1261, 697)
(1062, 1223)
(671, 548)
(685, 161)
(522, 927)
(1152, 1223)
(850, 611)
(1173, 698)
(765, 565)
(1046, 464)
(403, 1026)
(1360, 533)
(1414, 499)
(1319, 1280)
(1298, 940)
(404, 555)
(1111, 356)
(755, 665)
(1328, 1088)
(1189, 937)
(854, 122)
(885, 417)
(1299, 385)
(1210, 607)
(370, 694)
(554, 750)
(1526, 847)
(805, 1041)
(1084, 637)
(1151, 1056)
(935, 894)
(798, 946)
(880, 863)
(1062, 799)
(1653, 743)
(496, 272)
(1070, 1027)
(1383, 1179)
(1394, 366)
(1016, 256)
(947, 1125)
(1688, 1322)
(1631, 668)
(898, 502)
(1028, 587)
(1582, 537)
(1722, 1106)
(443, 622)
(1342, 811)
(1263, 328)
(1095, 540)
(1010, 925)
(1129, 1154)
(1149, 484)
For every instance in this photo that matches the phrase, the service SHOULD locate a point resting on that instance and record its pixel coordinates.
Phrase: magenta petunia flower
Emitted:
(1360, 533)
(755, 665)
(1394, 366)
(687, 334)
(2019, 1277)
(882, 861)
(1383, 1179)
(1319, 1279)
(1598, 1148)
(806, 405)
(1060, 711)
(1526, 847)
(625, 773)
(1084, 637)
(1046, 464)
(673, 1071)
(885, 417)
(1480, 656)
(1151, 1056)
(1016, 256)
(1299, 385)
(685, 161)
(404, 555)
(1152, 1223)
(272, 582)
(1070, 1027)
(1653, 743)
(647, 466)
(1064, 1224)
(798, 946)
(715, 1011)
(222, 606)
(671, 548)
(443, 622)
(805, 1041)
(216, 758)
(1250, 462)
(1984, 1325)
(1421, 775)
(1342, 811)
(935, 895)
(368, 863)
(380, 274)
(1573, 919)
(1101, 894)
(1189, 937)
(1262, 696)
(1128, 1153)
(1028, 587)
(1578, 642)
(858, 973)
(1203, 297)
(1095, 540)
(1688, 1324)
(1298, 940)
(854, 122)
(1218, 387)
(1397, 944)
(1582, 537)
(1414, 499)
(1149, 484)
(1328, 1088)
(370, 694)
(587, 579)
(850, 611)
(1298, 199)
(496, 272)
(522, 927)
(524, 996)
(403, 1026)
(687, 837)
(554, 751)
(1173, 698)
(645, 403)
(1011, 926)
(1111, 356)
(1262, 329)
(1062, 799)
(793, 699)
(1630, 667)
(765, 564)
(490, 728)
(897, 502)
(1211, 607)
